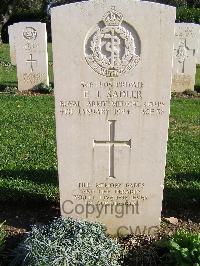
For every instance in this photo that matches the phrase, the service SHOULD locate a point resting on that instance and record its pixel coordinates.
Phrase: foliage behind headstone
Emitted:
(179, 3)
(187, 10)
(190, 15)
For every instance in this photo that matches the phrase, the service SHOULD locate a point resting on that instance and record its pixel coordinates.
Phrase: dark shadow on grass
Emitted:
(10, 83)
(24, 198)
(27, 210)
(193, 176)
(3, 87)
(183, 201)
(38, 176)
(27, 197)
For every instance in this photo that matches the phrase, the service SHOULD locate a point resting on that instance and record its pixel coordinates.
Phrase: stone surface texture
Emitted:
(198, 52)
(113, 70)
(12, 44)
(31, 54)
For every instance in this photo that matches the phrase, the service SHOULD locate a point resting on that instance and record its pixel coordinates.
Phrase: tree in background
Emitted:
(187, 10)
(53, 3)
(13, 11)
(179, 3)
(6, 11)
(176, 3)
(19, 10)
(193, 3)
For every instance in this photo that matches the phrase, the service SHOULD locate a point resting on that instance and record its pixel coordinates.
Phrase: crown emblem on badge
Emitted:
(113, 17)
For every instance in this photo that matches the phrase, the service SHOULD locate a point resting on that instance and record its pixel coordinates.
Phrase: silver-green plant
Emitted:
(68, 242)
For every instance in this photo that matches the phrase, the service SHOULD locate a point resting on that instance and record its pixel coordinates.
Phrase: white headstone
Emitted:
(198, 52)
(12, 44)
(112, 70)
(185, 56)
(31, 54)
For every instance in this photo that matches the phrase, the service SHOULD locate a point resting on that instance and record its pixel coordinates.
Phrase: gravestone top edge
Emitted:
(137, 2)
(26, 22)
(187, 24)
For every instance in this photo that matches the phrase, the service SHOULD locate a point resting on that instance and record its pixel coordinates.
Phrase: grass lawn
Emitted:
(27, 148)
(182, 183)
(198, 77)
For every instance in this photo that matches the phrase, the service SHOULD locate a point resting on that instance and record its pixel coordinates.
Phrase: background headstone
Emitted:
(112, 73)
(31, 54)
(185, 56)
(198, 52)
(11, 33)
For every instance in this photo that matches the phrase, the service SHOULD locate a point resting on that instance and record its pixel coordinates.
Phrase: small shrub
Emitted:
(190, 93)
(8, 89)
(44, 88)
(11, 90)
(183, 248)
(173, 94)
(68, 242)
(197, 88)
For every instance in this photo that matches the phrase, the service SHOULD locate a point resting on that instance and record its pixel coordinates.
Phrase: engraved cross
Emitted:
(111, 143)
(182, 53)
(31, 61)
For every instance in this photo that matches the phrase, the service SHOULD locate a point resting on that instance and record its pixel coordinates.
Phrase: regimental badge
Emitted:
(113, 47)
(30, 33)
